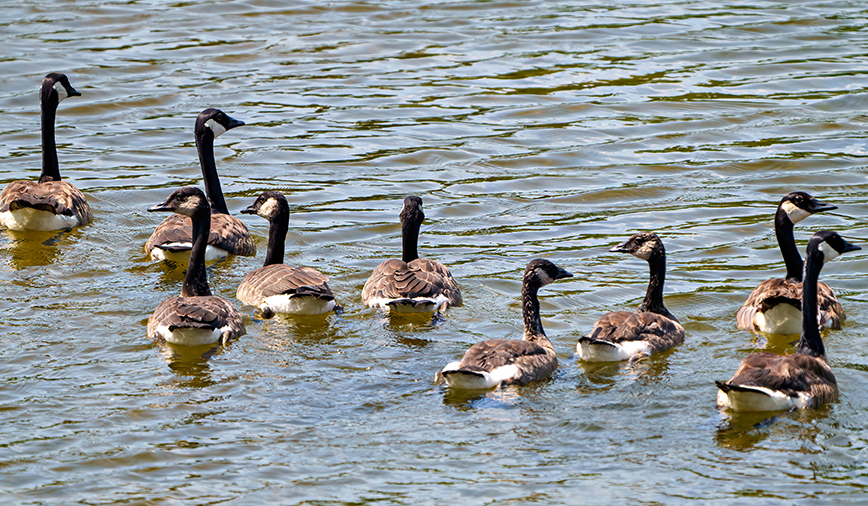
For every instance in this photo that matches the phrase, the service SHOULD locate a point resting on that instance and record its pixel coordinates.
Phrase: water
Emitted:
(530, 129)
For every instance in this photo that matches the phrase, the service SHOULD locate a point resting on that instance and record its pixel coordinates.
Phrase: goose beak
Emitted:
(850, 247)
(563, 274)
(621, 248)
(73, 93)
(162, 206)
(249, 210)
(232, 123)
(819, 206)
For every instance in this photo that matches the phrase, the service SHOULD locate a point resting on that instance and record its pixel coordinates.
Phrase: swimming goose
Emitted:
(279, 288)
(196, 317)
(769, 382)
(411, 284)
(172, 239)
(48, 204)
(508, 361)
(622, 335)
(775, 305)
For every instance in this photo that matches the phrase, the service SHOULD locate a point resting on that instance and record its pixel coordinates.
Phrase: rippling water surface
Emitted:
(530, 129)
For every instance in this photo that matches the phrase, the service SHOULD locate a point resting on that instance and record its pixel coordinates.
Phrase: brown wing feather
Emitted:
(767, 295)
(830, 308)
(532, 360)
(789, 374)
(420, 278)
(279, 279)
(227, 233)
(58, 197)
(207, 312)
(660, 332)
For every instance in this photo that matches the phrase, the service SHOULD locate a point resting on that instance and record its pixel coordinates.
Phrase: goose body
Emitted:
(495, 362)
(769, 382)
(276, 287)
(775, 306)
(411, 284)
(195, 317)
(622, 335)
(173, 238)
(47, 204)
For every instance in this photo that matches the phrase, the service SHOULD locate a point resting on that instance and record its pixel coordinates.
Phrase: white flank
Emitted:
(28, 218)
(215, 127)
(307, 305)
(795, 213)
(761, 399)
(428, 306)
(781, 319)
(183, 257)
(591, 352)
(189, 337)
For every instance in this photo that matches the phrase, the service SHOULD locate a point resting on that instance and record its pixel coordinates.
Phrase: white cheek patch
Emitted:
(645, 251)
(828, 252)
(216, 128)
(268, 209)
(544, 278)
(61, 91)
(794, 213)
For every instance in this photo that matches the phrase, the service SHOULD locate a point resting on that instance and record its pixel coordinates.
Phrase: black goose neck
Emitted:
(787, 245)
(410, 239)
(196, 280)
(533, 328)
(811, 342)
(279, 226)
(205, 147)
(653, 302)
(48, 104)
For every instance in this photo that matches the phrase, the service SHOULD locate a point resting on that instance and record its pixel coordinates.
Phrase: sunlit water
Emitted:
(530, 129)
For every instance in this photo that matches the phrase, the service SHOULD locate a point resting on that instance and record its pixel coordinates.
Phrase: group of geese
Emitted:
(201, 229)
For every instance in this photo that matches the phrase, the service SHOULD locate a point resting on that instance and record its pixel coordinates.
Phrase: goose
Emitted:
(196, 317)
(47, 204)
(495, 362)
(411, 284)
(770, 382)
(172, 239)
(622, 335)
(276, 287)
(775, 305)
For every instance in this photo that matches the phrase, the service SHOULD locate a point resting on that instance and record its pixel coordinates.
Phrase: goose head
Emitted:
(799, 205)
(541, 272)
(55, 86)
(642, 245)
(269, 205)
(215, 121)
(187, 201)
(830, 245)
(412, 213)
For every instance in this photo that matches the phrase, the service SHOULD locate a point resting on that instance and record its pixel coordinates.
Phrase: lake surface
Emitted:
(530, 129)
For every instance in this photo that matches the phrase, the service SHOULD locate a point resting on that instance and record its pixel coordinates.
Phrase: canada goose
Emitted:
(172, 239)
(279, 288)
(48, 204)
(622, 335)
(768, 382)
(775, 305)
(196, 317)
(508, 361)
(411, 284)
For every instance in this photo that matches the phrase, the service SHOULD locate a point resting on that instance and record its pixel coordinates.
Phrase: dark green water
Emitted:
(530, 129)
